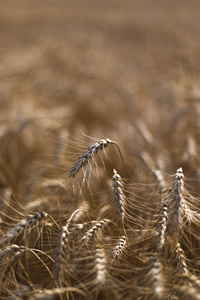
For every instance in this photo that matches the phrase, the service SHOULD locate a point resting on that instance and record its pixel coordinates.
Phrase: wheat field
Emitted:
(99, 150)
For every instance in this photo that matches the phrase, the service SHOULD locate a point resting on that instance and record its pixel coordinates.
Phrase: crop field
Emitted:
(99, 150)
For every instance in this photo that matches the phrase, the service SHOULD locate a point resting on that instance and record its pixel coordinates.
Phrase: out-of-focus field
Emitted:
(103, 61)
(127, 70)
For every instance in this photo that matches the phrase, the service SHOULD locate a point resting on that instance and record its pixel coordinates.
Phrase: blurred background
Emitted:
(101, 68)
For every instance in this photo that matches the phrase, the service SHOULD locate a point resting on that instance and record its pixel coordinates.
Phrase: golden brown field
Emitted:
(99, 149)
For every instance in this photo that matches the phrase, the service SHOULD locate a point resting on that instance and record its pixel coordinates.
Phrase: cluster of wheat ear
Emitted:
(106, 229)
(115, 245)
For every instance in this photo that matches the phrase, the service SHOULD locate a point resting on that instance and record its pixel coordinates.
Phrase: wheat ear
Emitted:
(146, 159)
(180, 260)
(119, 248)
(186, 292)
(24, 224)
(100, 266)
(191, 150)
(191, 279)
(176, 212)
(96, 228)
(90, 153)
(161, 228)
(180, 208)
(156, 278)
(119, 197)
(8, 252)
(54, 293)
(144, 132)
(12, 261)
(63, 250)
